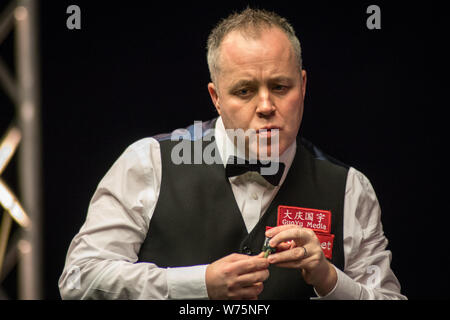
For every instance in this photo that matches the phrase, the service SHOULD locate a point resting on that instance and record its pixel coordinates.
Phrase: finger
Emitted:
(236, 257)
(300, 235)
(305, 264)
(249, 279)
(296, 254)
(285, 246)
(239, 257)
(250, 265)
(299, 256)
(249, 293)
(275, 230)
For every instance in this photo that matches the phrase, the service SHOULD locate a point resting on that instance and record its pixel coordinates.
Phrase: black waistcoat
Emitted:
(197, 220)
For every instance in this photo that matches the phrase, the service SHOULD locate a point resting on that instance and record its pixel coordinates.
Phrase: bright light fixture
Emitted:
(10, 203)
(8, 200)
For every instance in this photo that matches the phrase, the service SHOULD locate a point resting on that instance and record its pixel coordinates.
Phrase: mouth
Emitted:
(268, 130)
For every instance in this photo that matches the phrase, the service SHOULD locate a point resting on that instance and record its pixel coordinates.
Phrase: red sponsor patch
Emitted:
(317, 220)
(326, 243)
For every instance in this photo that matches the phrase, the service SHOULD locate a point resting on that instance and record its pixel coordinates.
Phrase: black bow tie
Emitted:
(236, 167)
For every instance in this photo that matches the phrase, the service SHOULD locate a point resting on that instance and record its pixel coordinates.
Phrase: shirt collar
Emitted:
(226, 148)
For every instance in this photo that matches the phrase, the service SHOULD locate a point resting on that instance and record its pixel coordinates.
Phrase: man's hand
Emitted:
(236, 276)
(299, 248)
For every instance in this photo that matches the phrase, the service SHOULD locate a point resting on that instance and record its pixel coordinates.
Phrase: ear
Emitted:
(214, 96)
(303, 83)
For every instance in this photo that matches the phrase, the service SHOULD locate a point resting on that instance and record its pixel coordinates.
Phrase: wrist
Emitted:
(327, 281)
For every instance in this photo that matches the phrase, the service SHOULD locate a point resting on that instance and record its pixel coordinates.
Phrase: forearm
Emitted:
(109, 279)
(106, 279)
(367, 273)
(349, 289)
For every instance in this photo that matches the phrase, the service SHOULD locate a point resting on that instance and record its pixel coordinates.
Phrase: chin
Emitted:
(266, 149)
(270, 152)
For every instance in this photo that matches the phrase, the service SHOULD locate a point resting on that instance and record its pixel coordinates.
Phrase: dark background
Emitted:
(135, 70)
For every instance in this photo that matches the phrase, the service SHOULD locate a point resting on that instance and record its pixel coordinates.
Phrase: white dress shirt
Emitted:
(101, 262)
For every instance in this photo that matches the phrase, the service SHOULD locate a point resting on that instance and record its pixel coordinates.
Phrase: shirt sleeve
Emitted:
(101, 262)
(367, 273)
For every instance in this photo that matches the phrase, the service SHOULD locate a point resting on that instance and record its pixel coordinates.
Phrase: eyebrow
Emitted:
(249, 83)
(243, 83)
(281, 79)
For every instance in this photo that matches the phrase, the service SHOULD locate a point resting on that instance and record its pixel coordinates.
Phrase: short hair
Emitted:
(250, 22)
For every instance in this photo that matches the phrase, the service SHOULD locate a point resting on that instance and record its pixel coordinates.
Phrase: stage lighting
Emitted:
(9, 202)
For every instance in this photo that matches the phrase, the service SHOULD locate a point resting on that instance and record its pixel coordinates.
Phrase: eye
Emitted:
(280, 88)
(243, 92)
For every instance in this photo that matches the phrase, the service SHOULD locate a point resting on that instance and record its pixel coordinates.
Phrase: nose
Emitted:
(265, 107)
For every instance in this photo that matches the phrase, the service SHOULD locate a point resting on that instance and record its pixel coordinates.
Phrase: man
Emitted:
(157, 229)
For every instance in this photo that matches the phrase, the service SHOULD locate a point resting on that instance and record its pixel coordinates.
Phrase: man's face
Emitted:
(260, 86)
